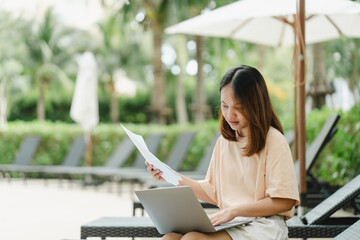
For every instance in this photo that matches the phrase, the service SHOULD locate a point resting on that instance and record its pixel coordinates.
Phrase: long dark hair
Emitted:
(250, 90)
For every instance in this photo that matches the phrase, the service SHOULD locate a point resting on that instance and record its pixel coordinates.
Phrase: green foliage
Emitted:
(23, 108)
(134, 109)
(340, 161)
(57, 137)
(58, 108)
(337, 164)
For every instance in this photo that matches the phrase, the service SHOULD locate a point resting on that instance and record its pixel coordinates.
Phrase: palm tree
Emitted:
(121, 47)
(342, 57)
(11, 54)
(110, 60)
(44, 64)
(181, 59)
(199, 106)
(320, 86)
(155, 16)
(354, 82)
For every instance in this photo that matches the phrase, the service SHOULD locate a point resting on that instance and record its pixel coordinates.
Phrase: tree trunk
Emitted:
(320, 87)
(181, 113)
(41, 100)
(3, 103)
(182, 58)
(114, 106)
(261, 54)
(158, 97)
(88, 150)
(199, 106)
(354, 74)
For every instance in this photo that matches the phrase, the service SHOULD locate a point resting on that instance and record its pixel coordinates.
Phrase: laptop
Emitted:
(176, 209)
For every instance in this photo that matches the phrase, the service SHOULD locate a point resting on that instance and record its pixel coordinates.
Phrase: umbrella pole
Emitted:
(301, 85)
(88, 152)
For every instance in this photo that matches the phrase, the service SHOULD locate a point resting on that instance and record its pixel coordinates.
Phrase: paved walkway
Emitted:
(34, 211)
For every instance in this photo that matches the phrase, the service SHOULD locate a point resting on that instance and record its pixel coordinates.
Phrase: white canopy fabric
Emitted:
(84, 107)
(268, 22)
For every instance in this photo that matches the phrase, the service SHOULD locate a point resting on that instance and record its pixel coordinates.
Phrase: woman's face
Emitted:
(232, 111)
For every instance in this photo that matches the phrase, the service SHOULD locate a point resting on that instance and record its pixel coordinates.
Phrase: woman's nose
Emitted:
(230, 113)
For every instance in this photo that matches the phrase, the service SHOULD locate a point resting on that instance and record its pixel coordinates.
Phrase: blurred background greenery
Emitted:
(160, 82)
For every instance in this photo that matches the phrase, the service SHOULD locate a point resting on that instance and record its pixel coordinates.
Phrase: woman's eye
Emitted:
(240, 108)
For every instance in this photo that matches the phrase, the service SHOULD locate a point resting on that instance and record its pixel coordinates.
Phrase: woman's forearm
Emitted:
(261, 208)
(195, 186)
(265, 207)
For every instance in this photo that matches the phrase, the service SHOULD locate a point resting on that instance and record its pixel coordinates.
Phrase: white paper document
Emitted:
(167, 173)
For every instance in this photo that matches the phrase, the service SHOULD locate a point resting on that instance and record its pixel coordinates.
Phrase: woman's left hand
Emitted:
(222, 216)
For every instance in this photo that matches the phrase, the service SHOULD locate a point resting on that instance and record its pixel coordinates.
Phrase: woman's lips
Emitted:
(233, 123)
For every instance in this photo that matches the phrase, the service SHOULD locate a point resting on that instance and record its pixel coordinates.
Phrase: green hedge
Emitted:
(340, 160)
(57, 108)
(338, 163)
(57, 137)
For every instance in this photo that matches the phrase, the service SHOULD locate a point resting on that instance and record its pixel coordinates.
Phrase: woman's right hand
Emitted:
(155, 173)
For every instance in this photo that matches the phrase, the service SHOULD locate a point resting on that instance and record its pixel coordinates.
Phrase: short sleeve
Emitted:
(209, 183)
(280, 178)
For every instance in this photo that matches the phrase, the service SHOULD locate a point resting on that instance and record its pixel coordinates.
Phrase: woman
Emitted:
(251, 173)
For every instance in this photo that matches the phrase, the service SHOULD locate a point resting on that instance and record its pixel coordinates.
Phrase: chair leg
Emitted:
(23, 176)
(8, 176)
(356, 205)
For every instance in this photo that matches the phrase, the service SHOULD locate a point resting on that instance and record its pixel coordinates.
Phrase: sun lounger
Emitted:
(153, 141)
(72, 159)
(121, 154)
(26, 152)
(317, 223)
(351, 233)
(312, 152)
(317, 191)
(70, 166)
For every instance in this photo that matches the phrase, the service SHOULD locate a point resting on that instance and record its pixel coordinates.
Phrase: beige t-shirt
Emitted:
(236, 179)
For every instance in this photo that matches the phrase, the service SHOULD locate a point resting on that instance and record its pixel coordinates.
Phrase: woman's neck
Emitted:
(241, 133)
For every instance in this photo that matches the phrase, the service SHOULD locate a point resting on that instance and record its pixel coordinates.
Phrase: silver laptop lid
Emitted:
(175, 209)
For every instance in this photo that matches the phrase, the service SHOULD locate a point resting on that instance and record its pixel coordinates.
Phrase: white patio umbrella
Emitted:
(84, 106)
(277, 23)
(271, 22)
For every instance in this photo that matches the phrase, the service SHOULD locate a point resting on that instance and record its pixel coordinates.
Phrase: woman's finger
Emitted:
(150, 168)
(217, 222)
(155, 173)
(217, 218)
